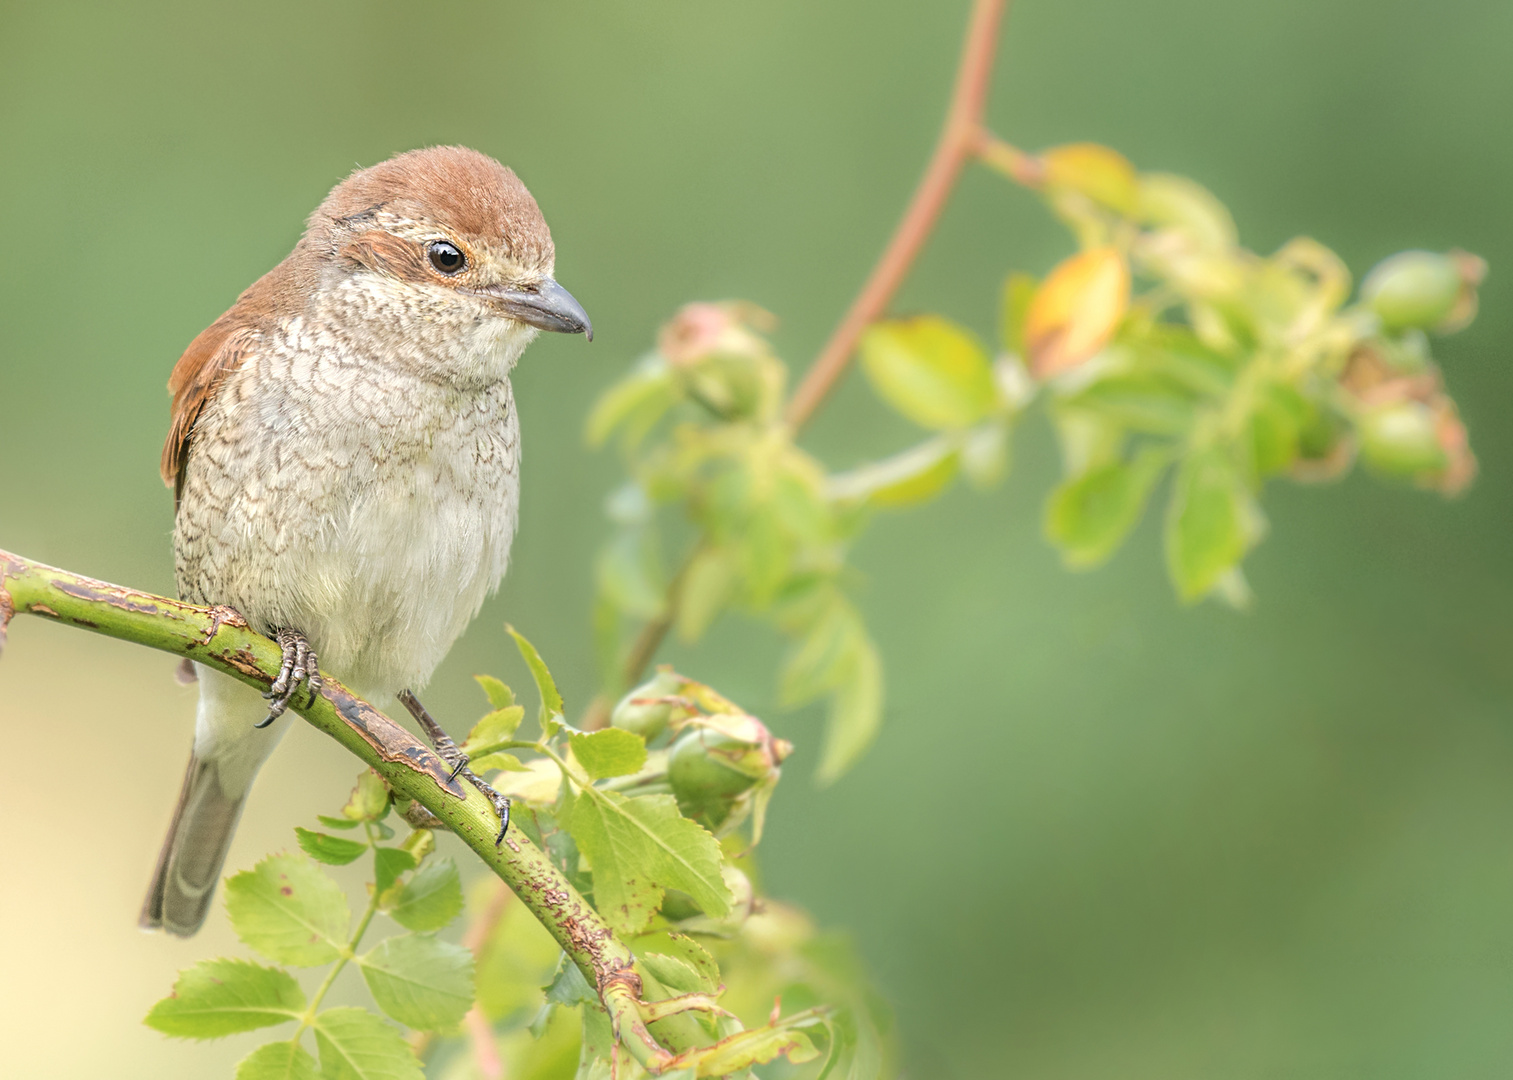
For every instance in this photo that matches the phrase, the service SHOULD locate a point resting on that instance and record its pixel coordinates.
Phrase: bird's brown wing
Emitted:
(214, 354)
(220, 349)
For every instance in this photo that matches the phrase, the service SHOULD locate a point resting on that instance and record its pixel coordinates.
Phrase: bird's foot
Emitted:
(300, 665)
(452, 754)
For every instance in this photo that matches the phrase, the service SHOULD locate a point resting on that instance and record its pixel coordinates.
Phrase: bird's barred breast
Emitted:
(366, 506)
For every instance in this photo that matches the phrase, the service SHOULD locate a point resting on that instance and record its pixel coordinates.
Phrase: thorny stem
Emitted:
(220, 638)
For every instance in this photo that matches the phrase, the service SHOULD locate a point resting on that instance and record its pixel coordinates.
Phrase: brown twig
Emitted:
(962, 137)
(959, 140)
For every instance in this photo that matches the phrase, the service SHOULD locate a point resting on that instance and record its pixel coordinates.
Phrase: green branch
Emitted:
(220, 638)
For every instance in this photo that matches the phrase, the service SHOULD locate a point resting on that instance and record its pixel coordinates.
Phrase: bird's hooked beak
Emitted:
(546, 306)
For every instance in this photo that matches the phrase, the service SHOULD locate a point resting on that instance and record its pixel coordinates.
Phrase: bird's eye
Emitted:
(445, 257)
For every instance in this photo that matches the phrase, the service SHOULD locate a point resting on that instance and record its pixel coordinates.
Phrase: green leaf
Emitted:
(856, 710)
(423, 983)
(278, 1061)
(635, 403)
(822, 659)
(1140, 401)
(684, 948)
(756, 1047)
(500, 696)
(388, 864)
(496, 727)
(708, 583)
(431, 898)
(224, 997)
(930, 370)
(569, 987)
(1209, 524)
(609, 752)
(1276, 427)
(640, 847)
(677, 975)
(289, 910)
(329, 849)
(1089, 516)
(336, 822)
(914, 476)
(498, 761)
(370, 798)
(356, 1045)
(551, 700)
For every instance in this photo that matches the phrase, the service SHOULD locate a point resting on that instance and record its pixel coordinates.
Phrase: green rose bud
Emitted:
(1402, 439)
(650, 707)
(1414, 289)
(719, 760)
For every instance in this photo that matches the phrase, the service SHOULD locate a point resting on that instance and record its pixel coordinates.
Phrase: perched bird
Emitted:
(345, 458)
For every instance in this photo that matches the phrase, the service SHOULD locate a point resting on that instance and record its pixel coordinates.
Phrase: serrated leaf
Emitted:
(289, 910)
(674, 973)
(1207, 524)
(388, 864)
(638, 848)
(431, 898)
(356, 1045)
(328, 849)
(224, 997)
(423, 983)
(1076, 311)
(336, 822)
(1089, 516)
(757, 1047)
(856, 711)
(568, 986)
(930, 370)
(914, 476)
(684, 948)
(551, 700)
(609, 752)
(278, 1061)
(496, 727)
(500, 696)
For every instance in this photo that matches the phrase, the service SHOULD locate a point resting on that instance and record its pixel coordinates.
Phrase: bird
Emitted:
(344, 452)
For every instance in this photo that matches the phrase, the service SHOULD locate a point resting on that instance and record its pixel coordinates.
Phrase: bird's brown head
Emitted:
(452, 231)
(437, 261)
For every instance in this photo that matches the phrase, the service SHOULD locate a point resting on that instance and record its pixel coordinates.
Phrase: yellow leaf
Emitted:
(1103, 175)
(1076, 311)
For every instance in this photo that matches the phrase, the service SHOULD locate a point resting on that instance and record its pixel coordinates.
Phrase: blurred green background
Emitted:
(1100, 835)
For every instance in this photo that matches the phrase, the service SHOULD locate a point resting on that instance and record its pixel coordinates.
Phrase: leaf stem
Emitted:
(347, 953)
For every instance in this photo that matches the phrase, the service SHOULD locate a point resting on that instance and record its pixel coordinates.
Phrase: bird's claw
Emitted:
(451, 754)
(300, 665)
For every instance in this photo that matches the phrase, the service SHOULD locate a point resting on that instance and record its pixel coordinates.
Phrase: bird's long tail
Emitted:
(228, 749)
